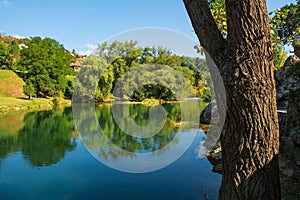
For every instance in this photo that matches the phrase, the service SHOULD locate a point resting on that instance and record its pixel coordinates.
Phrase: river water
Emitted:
(49, 155)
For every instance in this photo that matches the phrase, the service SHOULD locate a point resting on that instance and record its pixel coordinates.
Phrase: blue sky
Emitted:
(81, 25)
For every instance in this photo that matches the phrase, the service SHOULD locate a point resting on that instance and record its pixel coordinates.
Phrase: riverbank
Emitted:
(13, 104)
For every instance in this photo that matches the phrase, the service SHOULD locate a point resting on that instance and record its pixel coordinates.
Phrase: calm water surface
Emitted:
(42, 157)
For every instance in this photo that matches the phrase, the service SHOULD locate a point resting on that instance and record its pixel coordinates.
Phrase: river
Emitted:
(43, 156)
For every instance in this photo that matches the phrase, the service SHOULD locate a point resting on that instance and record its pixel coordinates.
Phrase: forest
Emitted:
(44, 65)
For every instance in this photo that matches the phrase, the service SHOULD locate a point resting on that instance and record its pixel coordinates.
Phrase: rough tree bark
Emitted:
(250, 136)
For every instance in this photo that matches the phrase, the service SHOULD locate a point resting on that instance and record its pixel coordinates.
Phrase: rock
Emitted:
(288, 99)
(288, 172)
(293, 119)
(210, 115)
(218, 168)
(285, 83)
(291, 60)
(214, 156)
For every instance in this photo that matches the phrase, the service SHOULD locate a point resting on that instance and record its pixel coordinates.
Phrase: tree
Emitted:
(47, 64)
(14, 52)
(285, 27)
(250, 136)
(218, 11)
(120, 57)
(5, 58)
(285, 24)
(94, 81)
(29, 90)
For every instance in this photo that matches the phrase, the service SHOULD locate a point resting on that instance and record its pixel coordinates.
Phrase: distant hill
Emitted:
(11, 85)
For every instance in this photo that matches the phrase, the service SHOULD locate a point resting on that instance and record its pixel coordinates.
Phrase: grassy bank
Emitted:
(10, 84)
(9, 104)
(12, 97)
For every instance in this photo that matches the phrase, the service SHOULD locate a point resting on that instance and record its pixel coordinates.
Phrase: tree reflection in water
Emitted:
(43, 137)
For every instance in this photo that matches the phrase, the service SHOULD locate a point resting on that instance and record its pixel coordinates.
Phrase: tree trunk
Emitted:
(250, 136)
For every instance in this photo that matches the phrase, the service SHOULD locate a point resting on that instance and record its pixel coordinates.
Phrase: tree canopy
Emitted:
(43, 65)
(285, 24)
(9, 52)
(112, 61)
(285, 27)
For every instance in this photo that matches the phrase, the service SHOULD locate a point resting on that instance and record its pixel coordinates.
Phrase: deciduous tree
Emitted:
(250, 136)
(46, 64)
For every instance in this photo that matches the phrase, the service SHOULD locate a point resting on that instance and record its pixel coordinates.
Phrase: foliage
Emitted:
(105, 83)
(285, 28)
(70, 87)
(111, 62)
(14, 53)
(218, 10)
(153, 81)
(55, 101)
(9, 51)
(279, 57)
(29, 90)
(285, 21)
(45, 64)
(5, 58)
(87, 82)
(114, 50)
(285, 24)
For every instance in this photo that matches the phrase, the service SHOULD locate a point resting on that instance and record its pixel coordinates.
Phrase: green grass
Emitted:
(12, 97)
(8, 104)
(10, 84)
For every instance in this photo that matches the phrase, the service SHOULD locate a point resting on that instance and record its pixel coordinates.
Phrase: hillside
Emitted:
(10, 84)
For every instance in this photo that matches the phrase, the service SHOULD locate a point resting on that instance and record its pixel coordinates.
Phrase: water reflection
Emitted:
(112, 143)
(42, 158)
(42, 137)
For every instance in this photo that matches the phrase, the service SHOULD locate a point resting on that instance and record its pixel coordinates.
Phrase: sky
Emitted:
(81, 25)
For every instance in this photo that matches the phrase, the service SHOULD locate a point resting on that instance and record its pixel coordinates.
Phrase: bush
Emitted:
(56, 101)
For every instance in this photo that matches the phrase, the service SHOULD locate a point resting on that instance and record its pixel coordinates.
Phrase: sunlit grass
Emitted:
(19, 103)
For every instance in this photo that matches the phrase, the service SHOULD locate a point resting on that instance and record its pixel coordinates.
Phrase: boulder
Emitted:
(288, 99)
(288, 103)
(285, 83)
(210, 114)
(293, 117)
(214, 156)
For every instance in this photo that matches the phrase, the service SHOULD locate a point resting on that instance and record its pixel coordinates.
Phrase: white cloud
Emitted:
(86, 52)
(4, 3)
(91, 46)
(89, 49)
(18, 36)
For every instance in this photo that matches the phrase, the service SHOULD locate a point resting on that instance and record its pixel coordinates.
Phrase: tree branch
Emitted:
(206, 29)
